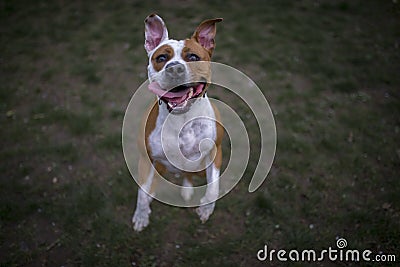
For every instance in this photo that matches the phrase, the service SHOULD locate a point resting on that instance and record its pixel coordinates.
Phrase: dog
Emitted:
(180, 87)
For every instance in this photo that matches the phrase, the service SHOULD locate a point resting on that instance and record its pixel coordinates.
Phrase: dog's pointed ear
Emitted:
(155, 32)
(205, 34)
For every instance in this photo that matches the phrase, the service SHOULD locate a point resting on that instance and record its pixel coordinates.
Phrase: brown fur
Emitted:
(165, 49)
(192, 46)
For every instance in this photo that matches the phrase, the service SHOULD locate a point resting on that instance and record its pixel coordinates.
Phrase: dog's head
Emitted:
(179, 71)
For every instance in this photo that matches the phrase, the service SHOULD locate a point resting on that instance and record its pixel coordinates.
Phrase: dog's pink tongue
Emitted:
(156, 89)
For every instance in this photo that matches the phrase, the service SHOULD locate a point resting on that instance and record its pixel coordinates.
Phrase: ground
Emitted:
(329, 70)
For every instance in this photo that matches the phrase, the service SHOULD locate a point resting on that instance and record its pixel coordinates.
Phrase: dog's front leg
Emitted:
(140, 218)
(204, 211)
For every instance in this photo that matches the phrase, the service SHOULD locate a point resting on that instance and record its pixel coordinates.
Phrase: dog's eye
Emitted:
(161, 58)
(193, 57)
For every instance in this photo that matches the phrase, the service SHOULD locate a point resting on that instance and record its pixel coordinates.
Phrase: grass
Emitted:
(329, 70)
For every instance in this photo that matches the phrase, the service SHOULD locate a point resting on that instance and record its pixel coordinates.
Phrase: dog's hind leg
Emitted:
(187, 190)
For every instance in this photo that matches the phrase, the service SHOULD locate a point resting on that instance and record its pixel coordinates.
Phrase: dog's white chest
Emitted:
(181, 142)
(192, 134)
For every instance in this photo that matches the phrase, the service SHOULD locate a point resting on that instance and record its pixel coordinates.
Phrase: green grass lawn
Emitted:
(329, 69)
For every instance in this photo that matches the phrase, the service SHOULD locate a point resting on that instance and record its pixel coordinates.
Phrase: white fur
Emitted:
(159, 76)
(176, 139)
(205, 210)
(187, 190)
(141, 217)
(162, 140)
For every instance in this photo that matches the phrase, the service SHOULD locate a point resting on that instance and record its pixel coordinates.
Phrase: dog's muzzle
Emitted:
(175, 71)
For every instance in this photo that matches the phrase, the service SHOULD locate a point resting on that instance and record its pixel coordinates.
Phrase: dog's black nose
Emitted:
(175, 69)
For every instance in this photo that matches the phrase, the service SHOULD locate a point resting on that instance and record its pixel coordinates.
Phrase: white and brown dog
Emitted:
(180, 88)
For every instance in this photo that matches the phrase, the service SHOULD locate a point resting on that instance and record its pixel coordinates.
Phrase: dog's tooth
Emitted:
(191, 92)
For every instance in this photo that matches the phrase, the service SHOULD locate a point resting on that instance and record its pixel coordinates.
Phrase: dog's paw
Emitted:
(140, 219)
(205, 211)
(187, 191)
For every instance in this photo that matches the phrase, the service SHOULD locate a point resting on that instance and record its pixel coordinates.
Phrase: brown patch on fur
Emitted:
(200, 70)
(163, 50)
(218, 141)
(205, 34)
(192, 46)
(147, 126)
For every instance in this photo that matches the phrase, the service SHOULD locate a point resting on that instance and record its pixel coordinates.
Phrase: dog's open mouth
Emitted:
(178, 97)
